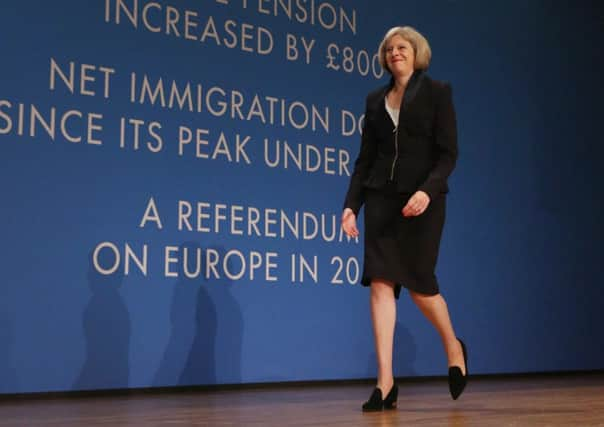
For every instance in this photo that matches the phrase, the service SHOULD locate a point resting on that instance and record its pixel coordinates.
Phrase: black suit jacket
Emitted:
(419, 154)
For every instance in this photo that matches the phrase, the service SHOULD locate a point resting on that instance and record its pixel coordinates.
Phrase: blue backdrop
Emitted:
(173, 172)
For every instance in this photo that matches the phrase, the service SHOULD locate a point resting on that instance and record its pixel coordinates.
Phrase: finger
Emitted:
(352, 232)
(409, 211)
(350, 229)
(352, 224)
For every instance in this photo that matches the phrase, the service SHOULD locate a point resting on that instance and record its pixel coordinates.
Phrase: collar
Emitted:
(412, 87)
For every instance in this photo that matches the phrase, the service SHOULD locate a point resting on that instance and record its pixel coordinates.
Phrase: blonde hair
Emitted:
(420, 45)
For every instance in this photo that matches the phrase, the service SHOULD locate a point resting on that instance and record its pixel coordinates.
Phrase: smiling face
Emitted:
(400, 56)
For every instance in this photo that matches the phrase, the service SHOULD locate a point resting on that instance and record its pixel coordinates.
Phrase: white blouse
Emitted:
(393, 112)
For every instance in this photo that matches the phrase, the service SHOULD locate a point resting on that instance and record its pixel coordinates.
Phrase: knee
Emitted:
(422, 299)
(382, 289)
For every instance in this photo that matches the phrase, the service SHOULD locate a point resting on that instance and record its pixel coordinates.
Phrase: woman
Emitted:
(408, 150)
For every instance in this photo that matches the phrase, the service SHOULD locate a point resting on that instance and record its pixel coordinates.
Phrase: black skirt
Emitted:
(399, 249)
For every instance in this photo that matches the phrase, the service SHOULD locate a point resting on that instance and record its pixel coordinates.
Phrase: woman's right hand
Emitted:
(349, 223)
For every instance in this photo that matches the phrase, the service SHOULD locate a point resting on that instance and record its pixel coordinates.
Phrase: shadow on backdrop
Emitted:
(192, 323)
(229, 338)
(8, 376)
(206, 326)
(106, 331)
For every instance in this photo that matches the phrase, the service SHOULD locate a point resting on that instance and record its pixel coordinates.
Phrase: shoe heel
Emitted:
(390, 400)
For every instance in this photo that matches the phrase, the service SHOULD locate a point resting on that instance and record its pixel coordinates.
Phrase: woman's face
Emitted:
(400, 56)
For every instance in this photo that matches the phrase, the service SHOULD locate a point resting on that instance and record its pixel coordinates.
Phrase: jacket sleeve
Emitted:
(446, 145)
(355, 196)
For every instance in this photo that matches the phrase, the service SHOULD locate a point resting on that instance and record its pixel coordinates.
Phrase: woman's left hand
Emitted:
(417, 204)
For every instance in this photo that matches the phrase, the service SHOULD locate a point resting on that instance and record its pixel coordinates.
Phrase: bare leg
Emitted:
(383, 315)
(435, 309)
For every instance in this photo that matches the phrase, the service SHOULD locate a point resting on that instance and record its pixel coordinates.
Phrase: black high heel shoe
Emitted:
(375, 402)
(458, 381)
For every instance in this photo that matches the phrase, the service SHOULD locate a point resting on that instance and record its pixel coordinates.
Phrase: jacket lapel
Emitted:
(413, 88)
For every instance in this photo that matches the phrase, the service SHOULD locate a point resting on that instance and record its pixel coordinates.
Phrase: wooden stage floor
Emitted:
(565, 400)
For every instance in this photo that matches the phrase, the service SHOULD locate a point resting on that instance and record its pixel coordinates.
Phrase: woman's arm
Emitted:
(446, 144)
(355, 197)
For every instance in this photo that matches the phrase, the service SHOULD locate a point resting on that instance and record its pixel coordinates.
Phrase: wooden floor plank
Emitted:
(533, 401)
